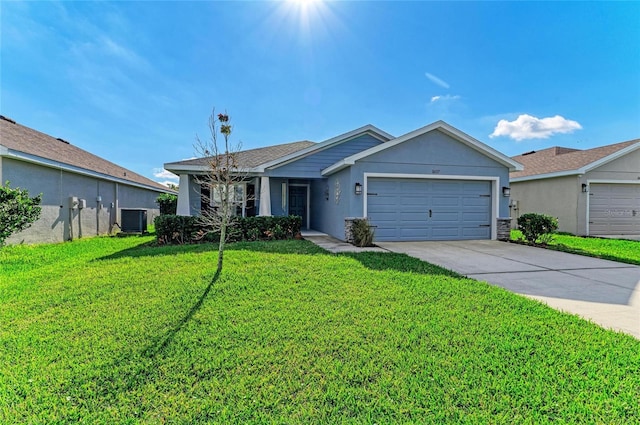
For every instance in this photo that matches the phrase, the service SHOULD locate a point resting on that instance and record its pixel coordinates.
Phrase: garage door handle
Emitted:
(429, 213)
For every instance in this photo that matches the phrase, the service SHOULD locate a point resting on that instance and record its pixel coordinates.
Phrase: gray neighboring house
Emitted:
(83, 194)
(592, 192)
(434, 183)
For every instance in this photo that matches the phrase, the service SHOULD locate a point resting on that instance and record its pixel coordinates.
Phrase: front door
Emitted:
(298, 203)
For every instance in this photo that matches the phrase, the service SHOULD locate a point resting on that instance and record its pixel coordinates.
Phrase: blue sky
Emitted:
(134, 82)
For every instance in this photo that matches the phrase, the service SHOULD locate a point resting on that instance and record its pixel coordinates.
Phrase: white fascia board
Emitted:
(482, 147)
(609, 158)
(546, 176)
(33, 159)
(438, 125)
(178, 169)
(370, 129)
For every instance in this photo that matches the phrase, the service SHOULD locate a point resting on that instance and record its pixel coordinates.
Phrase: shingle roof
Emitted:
(29, 141)
(558, 159)
(250, 158)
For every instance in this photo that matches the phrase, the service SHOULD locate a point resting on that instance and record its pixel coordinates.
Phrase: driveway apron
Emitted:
(605, 292)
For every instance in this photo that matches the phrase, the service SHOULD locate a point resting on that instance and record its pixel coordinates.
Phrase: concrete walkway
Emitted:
(606, 292)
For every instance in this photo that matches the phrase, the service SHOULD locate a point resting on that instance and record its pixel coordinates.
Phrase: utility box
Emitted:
(133, 221)
(73, 202)
(82, 204)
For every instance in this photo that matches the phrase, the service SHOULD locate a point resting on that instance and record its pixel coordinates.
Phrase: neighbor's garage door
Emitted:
(614, 209)
(425, 209)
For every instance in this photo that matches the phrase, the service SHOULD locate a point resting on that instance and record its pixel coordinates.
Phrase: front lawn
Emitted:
(110, 330)
(624, 251)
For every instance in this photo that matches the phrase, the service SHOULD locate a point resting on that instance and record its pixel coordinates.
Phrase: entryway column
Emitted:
(265, 197)
(184, 196)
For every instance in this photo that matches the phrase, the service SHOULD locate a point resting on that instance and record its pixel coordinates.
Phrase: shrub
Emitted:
(17, 210)
(537, 228)
(168, 203)
(174, 229)
(362, 232)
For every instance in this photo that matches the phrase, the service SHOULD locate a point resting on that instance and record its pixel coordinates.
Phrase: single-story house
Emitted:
(591, 192)
(434, 183)
(82, 194)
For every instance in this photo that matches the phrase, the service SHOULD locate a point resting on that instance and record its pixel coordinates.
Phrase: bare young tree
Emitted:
(222, 178)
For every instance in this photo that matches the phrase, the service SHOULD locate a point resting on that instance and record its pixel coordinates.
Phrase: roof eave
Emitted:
(547, 175)
(34, 159)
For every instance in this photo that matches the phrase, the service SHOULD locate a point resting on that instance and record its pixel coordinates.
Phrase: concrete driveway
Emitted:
(606, 292)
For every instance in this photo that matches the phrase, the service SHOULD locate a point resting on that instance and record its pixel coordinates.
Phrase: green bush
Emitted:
(537, 228)
(362, 232)
(17, 210)
(174, 229)
(168, 203)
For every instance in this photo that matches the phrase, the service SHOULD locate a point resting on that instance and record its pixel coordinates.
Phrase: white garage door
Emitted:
(425, 209)
(614, 209)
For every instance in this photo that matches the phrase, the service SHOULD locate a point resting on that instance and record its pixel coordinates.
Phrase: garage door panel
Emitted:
(399, 209)
(614, 209)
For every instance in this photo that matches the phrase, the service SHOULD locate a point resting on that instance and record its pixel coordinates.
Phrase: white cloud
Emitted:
(161, 173)
(436, 80)
(528, 127)
(168, 183)
(444, 98)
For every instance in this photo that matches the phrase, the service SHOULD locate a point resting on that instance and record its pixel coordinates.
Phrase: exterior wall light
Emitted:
(506, 191)
(358, 189)
(585, 188)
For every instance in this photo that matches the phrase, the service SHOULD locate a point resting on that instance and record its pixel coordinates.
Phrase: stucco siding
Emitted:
(624, 168)
(557, 197)
(435, 154)
(58, 222)
(331, 203)
(311, 166)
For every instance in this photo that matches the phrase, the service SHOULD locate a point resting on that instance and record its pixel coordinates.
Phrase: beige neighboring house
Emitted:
(592, 192)
(82, 194)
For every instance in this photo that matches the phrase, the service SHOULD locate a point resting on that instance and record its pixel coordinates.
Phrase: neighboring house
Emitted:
(434, 183)
(82, 194)
(591, 192)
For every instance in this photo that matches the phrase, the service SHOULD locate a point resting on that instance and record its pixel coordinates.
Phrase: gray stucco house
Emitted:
(434, 183)
(593, 192)
(83, 194)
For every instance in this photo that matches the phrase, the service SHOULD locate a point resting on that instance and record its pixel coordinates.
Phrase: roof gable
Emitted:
(439, 126)
(557, 161)
(334, 141)
(24, 143)
(270, 157)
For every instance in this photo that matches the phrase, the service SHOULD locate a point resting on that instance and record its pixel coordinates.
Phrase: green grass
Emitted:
(624, 251)
(113, 330)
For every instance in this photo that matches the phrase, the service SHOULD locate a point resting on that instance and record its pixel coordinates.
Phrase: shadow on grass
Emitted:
(161, 343)
(150, 249)
(398, 262)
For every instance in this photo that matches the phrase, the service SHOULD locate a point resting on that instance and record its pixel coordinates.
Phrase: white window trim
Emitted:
(495, 184)
(243, 205)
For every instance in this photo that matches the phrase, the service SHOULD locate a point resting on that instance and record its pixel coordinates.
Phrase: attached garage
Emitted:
(592, 192)
(614, 209)
(417, 209)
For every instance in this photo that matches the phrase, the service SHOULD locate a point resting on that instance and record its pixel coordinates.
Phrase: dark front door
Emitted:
(298, 203)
